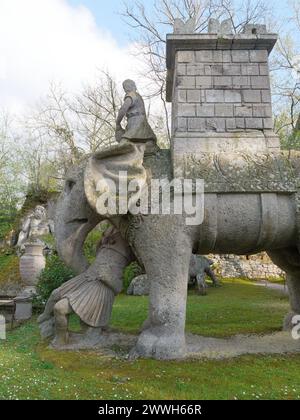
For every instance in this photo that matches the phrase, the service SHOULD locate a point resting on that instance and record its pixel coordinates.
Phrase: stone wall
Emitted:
(222, 91)
(254, 267)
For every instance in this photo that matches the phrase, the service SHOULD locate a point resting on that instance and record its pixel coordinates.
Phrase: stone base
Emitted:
(23, 308)
(198, 347)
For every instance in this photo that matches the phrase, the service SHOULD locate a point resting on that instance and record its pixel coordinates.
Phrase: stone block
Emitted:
(205, 110)
(181, 95)
(204, 56)
(262, 111)
(195, 70)
(215, 96)
(260, 82)
(181, 124)
(268, 123)
(217, 70)
(252, 96)
(223, 110)
(259, 56)
(240, 56)
(230, 124)
(218, 56)
(185, 56)
(240, 123)
(223, 81)
(226, 56)
(250, 70)
(243, 111)
(194, 96)
(196, 124)
(181, 69)
(188, 82)
(254, 123)
(215, 124)
(231, 70)
(241, 81)
(264, 69)
(232, 96)
(266, 96)
(204, 81)
(186, 110)
(23, 308)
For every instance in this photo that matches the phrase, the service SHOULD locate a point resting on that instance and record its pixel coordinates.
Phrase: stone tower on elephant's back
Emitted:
(219, 86)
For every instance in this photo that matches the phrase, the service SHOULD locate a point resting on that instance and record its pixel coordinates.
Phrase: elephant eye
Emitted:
(70, 185)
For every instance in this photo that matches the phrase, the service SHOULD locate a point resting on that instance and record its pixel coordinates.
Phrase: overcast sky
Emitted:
(64, 41)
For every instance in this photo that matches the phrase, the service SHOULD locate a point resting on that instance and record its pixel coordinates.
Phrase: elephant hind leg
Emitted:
(289, 261)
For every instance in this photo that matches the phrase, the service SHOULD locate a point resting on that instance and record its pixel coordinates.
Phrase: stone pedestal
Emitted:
(32, 263)
(23, 308)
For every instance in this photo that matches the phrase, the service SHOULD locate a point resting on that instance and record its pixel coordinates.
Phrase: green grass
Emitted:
(9, 269)
(28, 369)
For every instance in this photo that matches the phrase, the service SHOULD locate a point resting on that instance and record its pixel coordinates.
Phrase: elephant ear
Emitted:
(110, 172)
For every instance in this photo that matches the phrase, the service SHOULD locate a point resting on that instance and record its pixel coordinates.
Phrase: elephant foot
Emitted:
(288, 323)
(159, 345)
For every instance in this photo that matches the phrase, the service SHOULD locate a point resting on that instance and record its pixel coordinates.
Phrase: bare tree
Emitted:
(286, 76)
(151, 24)
(71, 126)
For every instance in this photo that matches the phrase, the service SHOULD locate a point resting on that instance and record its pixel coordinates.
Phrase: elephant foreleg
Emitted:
(166, 257)
(289, 261)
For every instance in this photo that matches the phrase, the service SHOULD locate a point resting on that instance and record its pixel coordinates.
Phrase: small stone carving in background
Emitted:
(199, 267)
(34, 225)
(188, 27)
(139, 286)
(220, 28)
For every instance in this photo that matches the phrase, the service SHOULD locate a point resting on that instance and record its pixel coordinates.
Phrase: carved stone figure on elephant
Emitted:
(234, 222)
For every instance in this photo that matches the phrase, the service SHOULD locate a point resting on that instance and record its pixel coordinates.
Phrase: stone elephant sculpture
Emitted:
(240, 223)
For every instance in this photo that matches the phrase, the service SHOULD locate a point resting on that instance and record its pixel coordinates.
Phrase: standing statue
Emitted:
(138, 129)
(35, 224)
(123, 163)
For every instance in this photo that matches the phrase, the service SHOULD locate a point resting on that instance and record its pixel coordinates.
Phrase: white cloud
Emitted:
(49, 40)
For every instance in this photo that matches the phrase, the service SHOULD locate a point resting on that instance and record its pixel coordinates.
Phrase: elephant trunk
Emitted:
(70, 240)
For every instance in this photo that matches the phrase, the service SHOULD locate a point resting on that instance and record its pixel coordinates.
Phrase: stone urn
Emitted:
(32, 263)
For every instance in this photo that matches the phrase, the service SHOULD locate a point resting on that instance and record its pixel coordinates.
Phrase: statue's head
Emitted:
(129, 86)
(40, 212)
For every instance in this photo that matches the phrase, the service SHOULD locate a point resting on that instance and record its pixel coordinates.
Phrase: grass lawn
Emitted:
(28, 369)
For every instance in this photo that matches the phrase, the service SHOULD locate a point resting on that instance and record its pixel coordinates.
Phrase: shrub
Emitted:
(91, 244)
(131, 271)
(53, 276)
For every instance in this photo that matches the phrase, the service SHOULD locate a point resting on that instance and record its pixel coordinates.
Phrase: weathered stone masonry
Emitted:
(222, 91)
